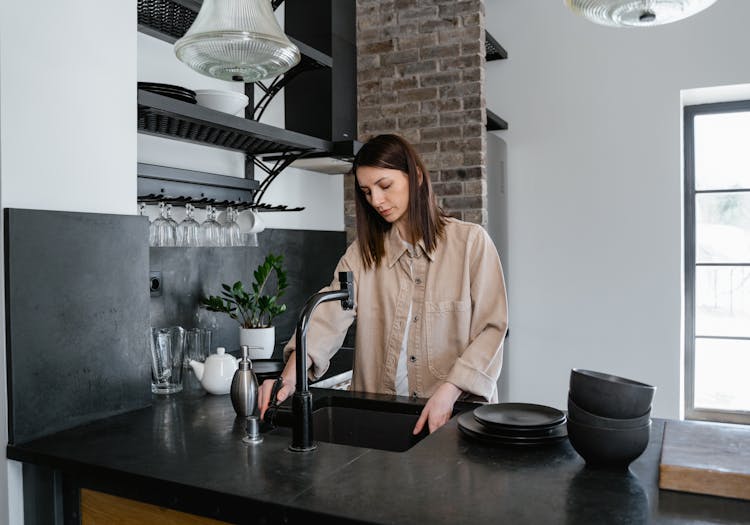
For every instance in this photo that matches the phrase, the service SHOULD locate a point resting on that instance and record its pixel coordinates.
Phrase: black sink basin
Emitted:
(363, 422)
(361, 427)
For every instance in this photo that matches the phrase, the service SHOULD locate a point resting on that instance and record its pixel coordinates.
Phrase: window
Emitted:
(717, 261)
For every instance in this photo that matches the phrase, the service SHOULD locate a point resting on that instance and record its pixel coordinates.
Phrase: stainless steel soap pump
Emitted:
(244, 391)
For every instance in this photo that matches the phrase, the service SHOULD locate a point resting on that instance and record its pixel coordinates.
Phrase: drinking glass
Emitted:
(188, 231)
(167, 348)
(250, 239)
(151, 232)
(231, 230)
(198, 344)
(211, 229)
(164, 232)
(172, 222)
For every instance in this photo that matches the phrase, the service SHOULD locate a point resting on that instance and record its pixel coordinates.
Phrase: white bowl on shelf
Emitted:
(230, 102)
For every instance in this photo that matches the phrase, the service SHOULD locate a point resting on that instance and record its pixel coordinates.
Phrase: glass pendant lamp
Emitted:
(637, 13)
(237, 40)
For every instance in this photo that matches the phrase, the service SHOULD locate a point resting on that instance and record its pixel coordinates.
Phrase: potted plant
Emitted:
(253, 310)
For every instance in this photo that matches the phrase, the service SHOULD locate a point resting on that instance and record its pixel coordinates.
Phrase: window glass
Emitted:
(722, 301)
(721, 374)
(722, 223)
(722, 152)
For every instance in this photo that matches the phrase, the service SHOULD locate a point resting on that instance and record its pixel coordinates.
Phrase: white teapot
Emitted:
(217, 372)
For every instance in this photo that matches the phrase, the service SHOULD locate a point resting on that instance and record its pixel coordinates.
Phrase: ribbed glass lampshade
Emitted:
(237, 40)
(635, 13)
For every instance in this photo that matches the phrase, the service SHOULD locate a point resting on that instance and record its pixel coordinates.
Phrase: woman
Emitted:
(430, 297)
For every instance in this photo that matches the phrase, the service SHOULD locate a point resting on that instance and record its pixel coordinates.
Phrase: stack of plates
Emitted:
(168, 90)
(267, 368)
(514, 424)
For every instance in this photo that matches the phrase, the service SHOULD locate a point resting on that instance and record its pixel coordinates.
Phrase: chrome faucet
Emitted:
(302, 427)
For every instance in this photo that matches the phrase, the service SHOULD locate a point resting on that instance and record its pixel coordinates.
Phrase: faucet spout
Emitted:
(302, 427)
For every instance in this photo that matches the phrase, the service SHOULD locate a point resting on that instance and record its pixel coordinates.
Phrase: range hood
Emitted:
(337, 161)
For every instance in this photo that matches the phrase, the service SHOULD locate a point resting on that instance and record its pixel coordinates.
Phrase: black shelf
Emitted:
(170, 182)
(495, 123)
(168, 20)
(179, 187)
(167, 117)
(493, 50)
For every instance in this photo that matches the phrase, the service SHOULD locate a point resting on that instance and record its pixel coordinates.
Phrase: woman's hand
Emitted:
(264, 394)
(438, 409)
(289, 377)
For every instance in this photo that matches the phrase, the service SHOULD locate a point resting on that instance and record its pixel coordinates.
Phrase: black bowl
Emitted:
(608, 447)
(610, 396)
(587, 418)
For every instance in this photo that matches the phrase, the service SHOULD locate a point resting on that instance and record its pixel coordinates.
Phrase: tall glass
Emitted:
(197, 348)
(151, 232)
(211, 229)
(170, 220)
(164, 232)
(167, 347)
(188, 231)
(198, 344)
(231, 230)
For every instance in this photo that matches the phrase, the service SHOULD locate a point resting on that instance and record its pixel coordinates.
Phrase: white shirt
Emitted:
(402, 376)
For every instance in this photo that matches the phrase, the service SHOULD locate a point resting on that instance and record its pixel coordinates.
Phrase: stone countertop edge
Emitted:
(187, 454)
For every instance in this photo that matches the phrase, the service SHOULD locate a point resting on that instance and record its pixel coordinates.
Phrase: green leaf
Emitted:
(250, 308)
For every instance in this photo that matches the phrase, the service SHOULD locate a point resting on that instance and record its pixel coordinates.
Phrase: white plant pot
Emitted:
(260, 340)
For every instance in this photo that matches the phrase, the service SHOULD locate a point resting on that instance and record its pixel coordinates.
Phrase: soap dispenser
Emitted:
(244, 391)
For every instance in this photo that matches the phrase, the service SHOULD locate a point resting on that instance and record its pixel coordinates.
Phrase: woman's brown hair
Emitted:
(426, 219)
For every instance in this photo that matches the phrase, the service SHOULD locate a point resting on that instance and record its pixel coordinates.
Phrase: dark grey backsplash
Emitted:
(76, 318)
(78, 310)
(188, 274)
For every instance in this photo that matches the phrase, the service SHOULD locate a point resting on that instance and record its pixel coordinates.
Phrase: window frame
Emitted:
(689, 114)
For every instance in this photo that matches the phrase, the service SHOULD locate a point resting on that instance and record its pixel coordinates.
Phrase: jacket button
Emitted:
(416, 318)
(418, 280)
(414, 394)
(413, 359)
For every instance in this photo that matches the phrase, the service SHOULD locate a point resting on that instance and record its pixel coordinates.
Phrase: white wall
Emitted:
(68, 105)
(595, 187)
(67, 141)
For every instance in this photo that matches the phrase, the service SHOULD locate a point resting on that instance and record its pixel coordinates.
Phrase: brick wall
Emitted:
(420, 73)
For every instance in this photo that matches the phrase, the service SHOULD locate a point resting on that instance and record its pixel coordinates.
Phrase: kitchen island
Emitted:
(187, 454)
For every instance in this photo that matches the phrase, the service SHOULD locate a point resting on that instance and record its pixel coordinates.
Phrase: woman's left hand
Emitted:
(438, 409)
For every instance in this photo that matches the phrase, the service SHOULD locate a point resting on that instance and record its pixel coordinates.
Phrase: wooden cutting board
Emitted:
(706, 458)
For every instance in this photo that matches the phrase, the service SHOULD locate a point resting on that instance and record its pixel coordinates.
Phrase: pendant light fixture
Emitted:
(237, 40)
(637, 13)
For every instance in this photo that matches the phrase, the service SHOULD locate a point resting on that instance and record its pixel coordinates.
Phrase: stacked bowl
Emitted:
(609, 421)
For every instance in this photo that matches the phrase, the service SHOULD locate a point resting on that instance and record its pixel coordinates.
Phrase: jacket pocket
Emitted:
(447, 326)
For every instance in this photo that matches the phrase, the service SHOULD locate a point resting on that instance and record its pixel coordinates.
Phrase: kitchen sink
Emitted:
(362, 422)
(361, 427)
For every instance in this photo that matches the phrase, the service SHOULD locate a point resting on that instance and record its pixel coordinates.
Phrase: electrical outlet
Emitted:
(156, 283)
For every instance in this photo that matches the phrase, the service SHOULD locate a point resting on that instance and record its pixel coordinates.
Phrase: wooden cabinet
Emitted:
(98, 508)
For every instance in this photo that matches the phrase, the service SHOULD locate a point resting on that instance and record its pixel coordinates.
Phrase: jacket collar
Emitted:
(395, 247)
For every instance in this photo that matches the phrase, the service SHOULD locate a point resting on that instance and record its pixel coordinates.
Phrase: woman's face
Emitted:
(387, 191)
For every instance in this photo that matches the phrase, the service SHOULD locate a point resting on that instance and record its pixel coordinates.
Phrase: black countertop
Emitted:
(187, 453)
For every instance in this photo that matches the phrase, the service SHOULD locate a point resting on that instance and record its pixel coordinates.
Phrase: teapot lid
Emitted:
(220, 355)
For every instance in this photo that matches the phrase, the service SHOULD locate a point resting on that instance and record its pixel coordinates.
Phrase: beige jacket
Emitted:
(458, 310)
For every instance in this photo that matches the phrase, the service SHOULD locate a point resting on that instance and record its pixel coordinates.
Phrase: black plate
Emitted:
(153, 86)
(267, 366)
(472, 428)
(525, 433)
(176, 96)
(518, 416)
